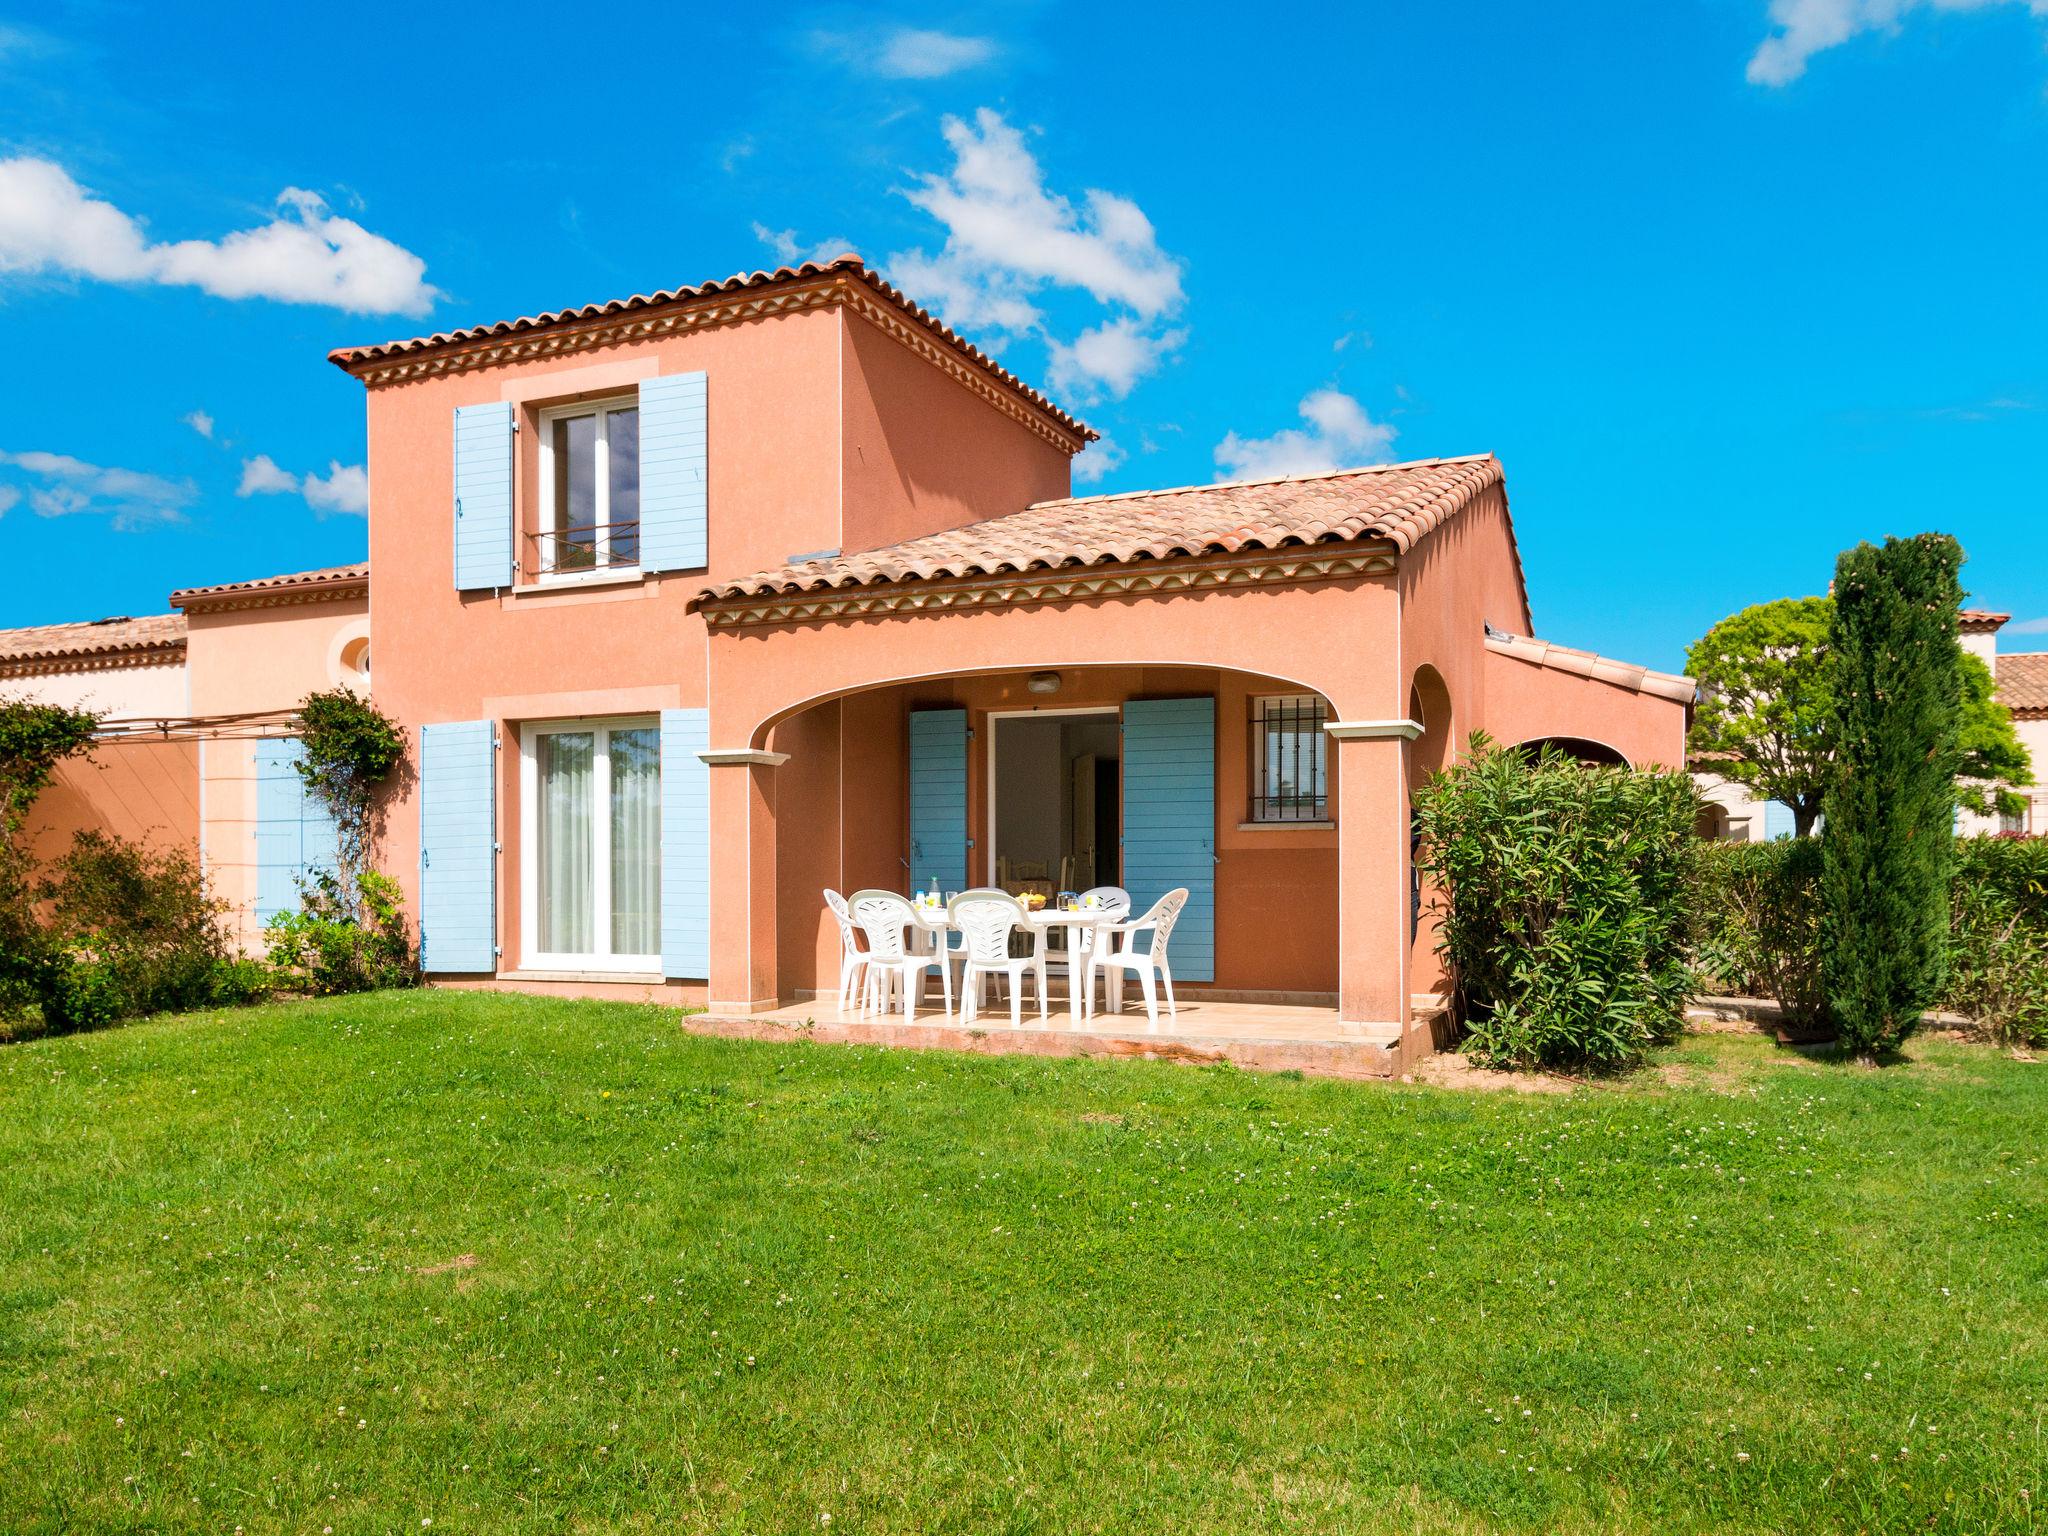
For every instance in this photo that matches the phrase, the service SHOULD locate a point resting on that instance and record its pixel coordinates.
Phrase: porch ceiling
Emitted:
(1397, 503)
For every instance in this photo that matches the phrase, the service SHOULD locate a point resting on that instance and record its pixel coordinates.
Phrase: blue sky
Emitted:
(1728, 284)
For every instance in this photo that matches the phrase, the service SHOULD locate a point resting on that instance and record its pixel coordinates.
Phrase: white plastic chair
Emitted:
(885, 919)
(1113, 902)
(985, 920)
(1149, 965)
(853, 959)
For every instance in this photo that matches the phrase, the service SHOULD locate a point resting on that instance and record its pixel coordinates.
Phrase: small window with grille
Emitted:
(1290, 780)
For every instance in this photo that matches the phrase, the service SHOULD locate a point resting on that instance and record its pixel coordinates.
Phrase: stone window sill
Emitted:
(628, 978)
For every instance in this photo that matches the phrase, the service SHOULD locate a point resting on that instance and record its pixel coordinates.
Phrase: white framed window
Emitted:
(589, 488)
(590, 845)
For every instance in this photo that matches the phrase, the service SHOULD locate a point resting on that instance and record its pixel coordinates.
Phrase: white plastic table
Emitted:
(1080, 928)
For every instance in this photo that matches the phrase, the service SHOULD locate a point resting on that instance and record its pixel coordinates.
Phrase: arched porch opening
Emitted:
(1056, 778)
(1595, 754)
(1429, 706)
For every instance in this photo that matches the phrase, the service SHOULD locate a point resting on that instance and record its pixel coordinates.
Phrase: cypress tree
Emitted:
(1888, 849)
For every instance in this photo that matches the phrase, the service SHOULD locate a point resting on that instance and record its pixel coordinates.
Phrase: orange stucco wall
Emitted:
(823, 433)
(1528, 702)
(923, 454)
(142, 791)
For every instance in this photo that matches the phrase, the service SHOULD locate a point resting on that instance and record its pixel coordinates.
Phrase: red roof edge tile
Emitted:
(847, 264)
(1601, 669)
(334, 581)
(154, 639)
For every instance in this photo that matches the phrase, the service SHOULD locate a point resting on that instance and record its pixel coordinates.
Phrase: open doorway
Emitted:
(1056, 800)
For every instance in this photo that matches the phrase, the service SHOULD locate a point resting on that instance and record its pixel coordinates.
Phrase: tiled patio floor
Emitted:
(1257, 1036)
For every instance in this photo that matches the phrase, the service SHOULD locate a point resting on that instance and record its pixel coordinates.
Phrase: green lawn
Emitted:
(505, 1265)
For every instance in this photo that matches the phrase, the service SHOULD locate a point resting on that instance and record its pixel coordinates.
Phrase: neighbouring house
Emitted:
(197, 736)
(696, 603)
(141, 781)
(2022, 679)
(1734, 814)
(254, 650)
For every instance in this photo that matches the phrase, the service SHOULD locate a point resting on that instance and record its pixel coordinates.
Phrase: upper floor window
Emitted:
(1290, 780)
(589, 488)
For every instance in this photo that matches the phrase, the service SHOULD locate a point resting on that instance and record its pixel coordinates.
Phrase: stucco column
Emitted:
(1372, 870)
(743, 961)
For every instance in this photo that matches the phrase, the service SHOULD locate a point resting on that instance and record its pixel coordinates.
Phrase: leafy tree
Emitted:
(1889, 853)
(1994, 762)
(1766, 712)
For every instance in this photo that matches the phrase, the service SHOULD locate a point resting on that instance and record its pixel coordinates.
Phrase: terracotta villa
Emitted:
(697, 604)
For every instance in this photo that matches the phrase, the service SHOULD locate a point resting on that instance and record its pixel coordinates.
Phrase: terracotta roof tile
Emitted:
(2023, 681)
(847, 262)
(161, 635)
(1397, 502)
(1982, 621)
(1622, 674)
(328, 576)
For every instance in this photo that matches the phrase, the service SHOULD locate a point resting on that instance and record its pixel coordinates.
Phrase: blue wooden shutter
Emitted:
(483, 496)
(938, 798)
(1170, 821)
(459, 847)
(685, 844)
(294, 832)
(674, 462)
(1778, 820)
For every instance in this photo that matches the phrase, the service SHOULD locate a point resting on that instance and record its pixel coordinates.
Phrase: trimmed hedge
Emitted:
(1760, 927)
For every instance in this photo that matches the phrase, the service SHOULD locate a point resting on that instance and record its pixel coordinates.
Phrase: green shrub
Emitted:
(1998, 938)
(1566, 905)
(1760, 925)
(123, 931)
(331, 945)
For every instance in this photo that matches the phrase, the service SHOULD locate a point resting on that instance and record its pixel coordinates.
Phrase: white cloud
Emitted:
(1109, 358)
(1099, 458)
(1007, 234)
(905, 53)
(344, 488)
(199, 422)
(65, 486)
(1340, 435)
(262, 477)
(791, 251)
(1803, 28)
(1010, 242)
(2028, 627)
(305, 255)
(912, 53)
